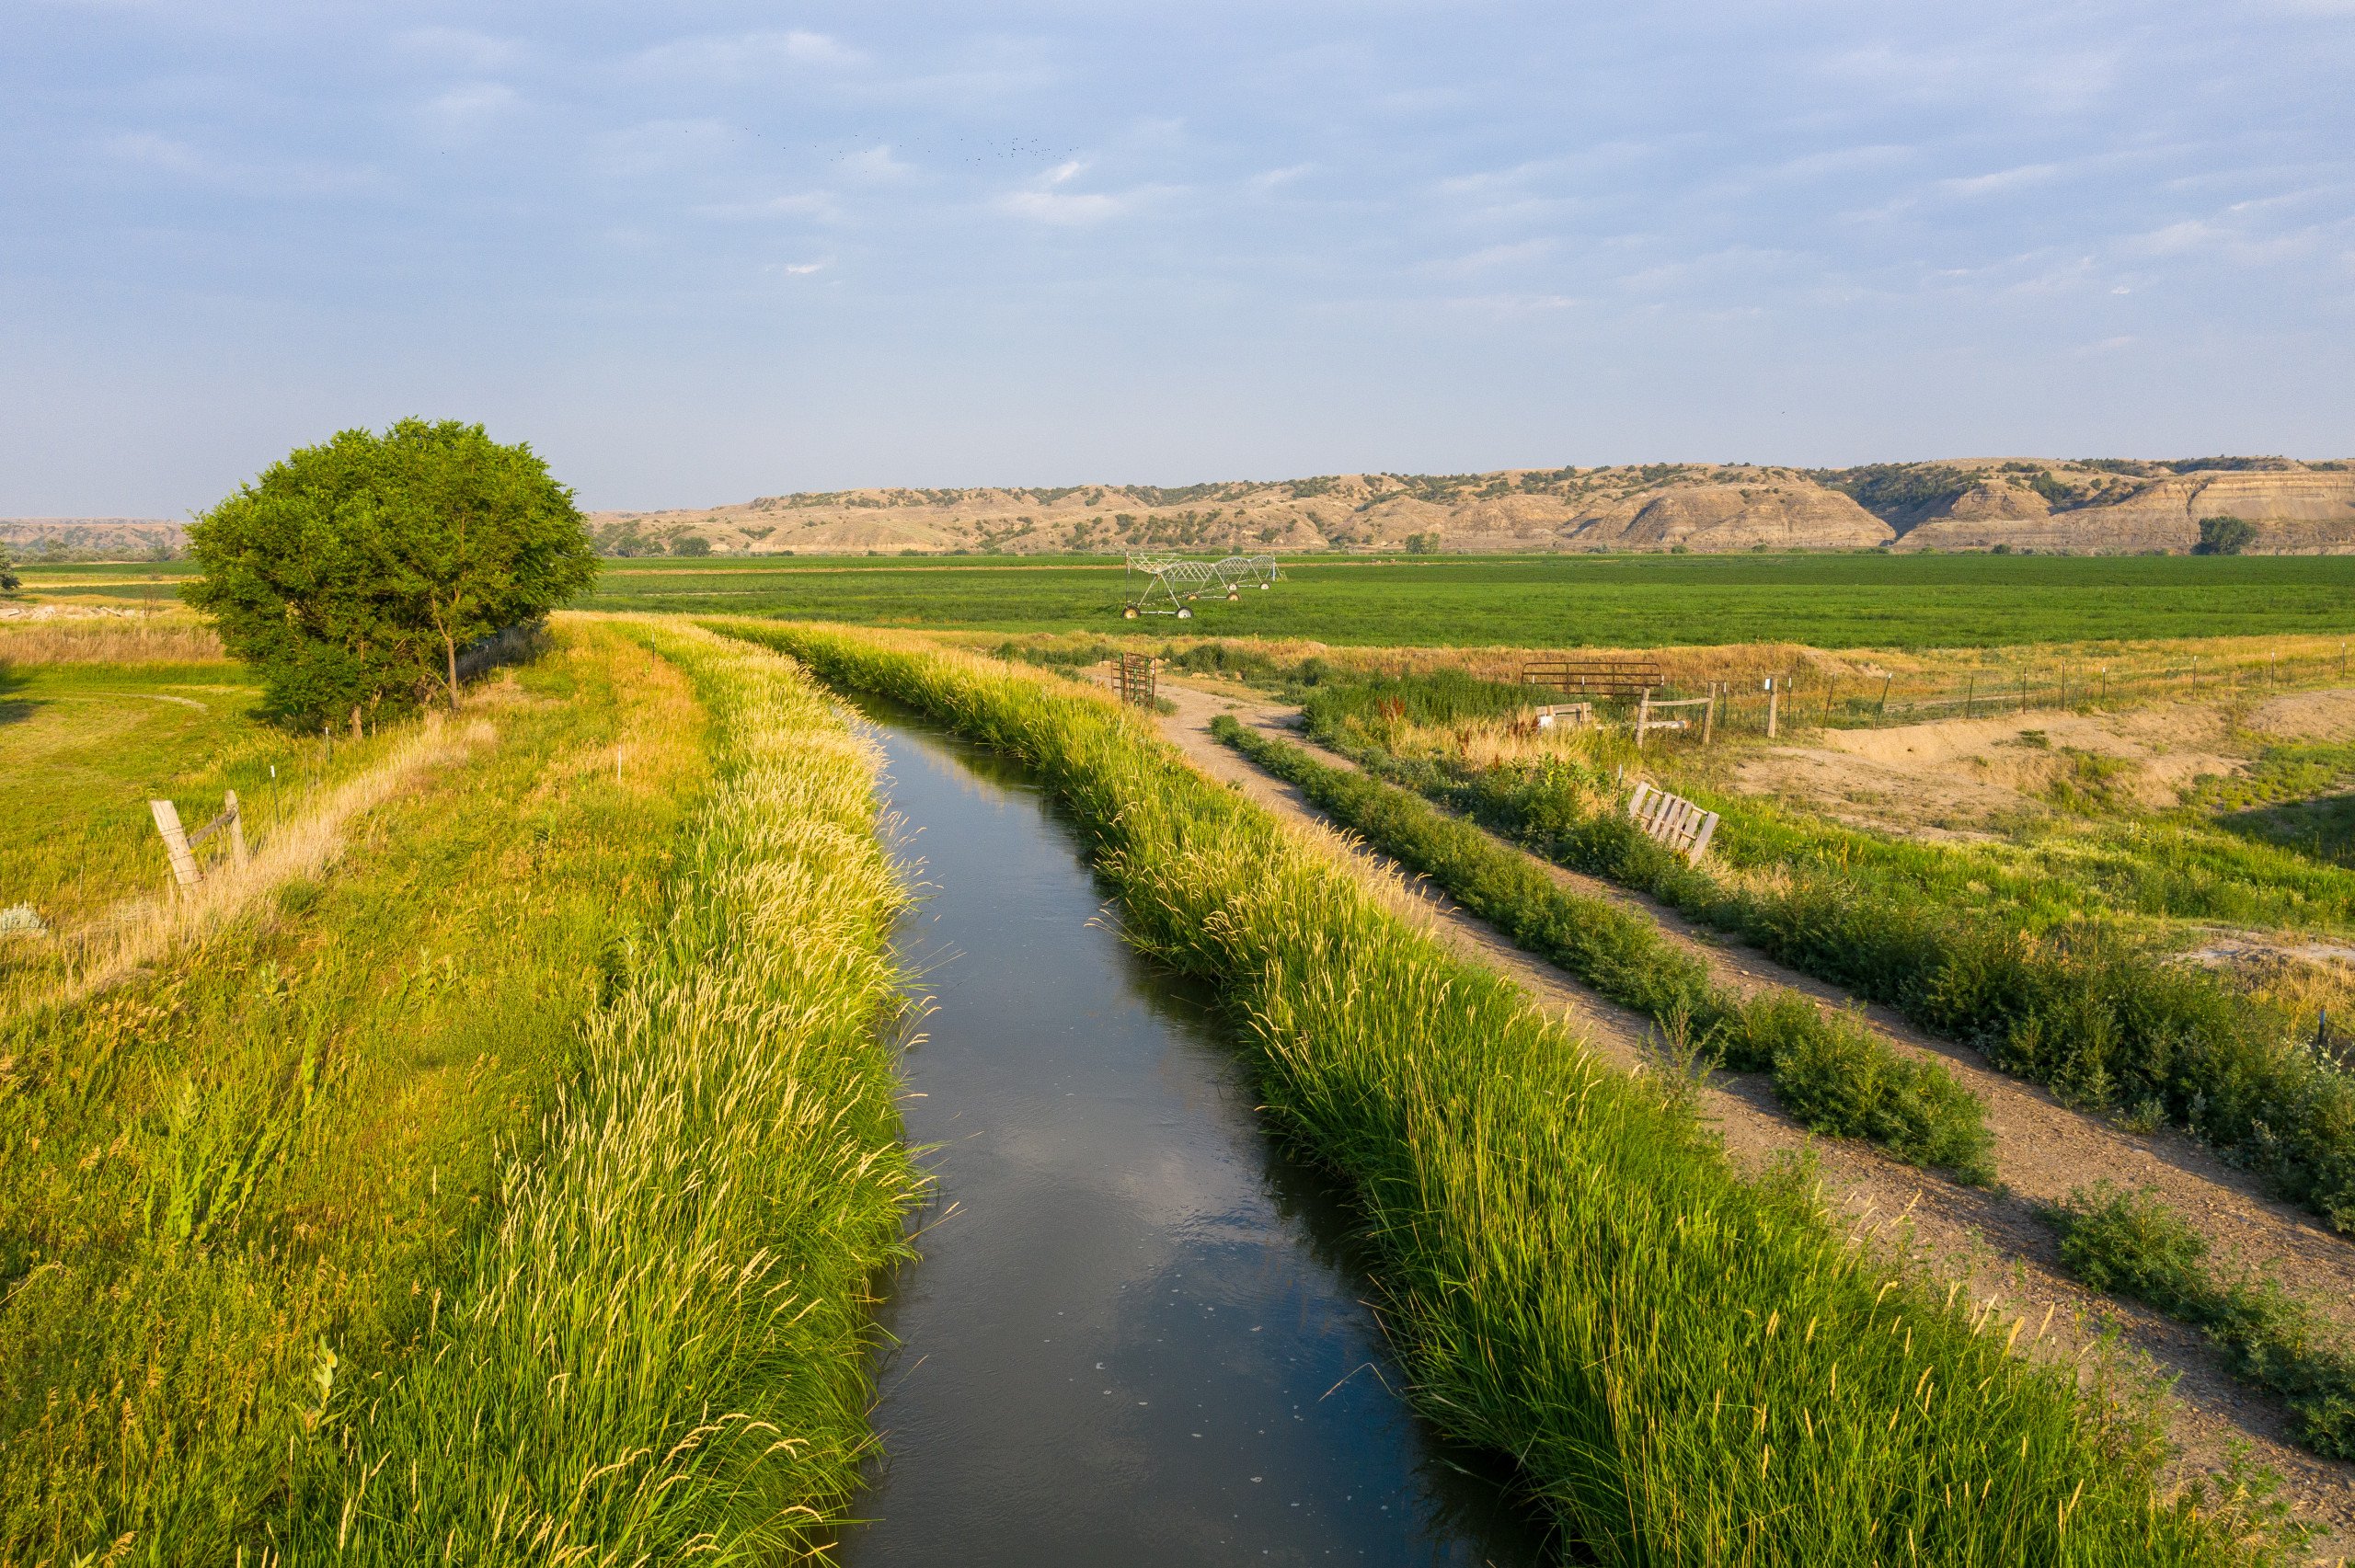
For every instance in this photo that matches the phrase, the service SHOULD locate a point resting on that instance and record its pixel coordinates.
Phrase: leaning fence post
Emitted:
(238, 822)
(1643, 715)
(167, 822)
(1709, 715)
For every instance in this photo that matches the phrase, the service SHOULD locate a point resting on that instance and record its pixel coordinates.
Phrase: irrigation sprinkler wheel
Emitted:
(1127, 612)
(1184, 613)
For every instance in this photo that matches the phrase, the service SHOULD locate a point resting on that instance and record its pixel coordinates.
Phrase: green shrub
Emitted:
(2132, 1245)
(2224, 536)
(1834, 1075)
(1443, 696)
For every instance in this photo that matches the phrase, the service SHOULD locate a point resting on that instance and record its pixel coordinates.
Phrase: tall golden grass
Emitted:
(110, 641)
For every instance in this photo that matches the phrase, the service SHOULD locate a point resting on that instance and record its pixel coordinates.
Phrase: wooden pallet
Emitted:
(1672, 820)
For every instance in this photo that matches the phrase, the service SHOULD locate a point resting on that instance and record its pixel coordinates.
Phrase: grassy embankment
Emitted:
(2027, 971)
(1829, 1070)
(284, 1217)
(1688, 1367)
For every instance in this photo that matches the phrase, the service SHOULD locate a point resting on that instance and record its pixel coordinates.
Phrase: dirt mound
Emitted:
(1963, 777)
(2307, 715)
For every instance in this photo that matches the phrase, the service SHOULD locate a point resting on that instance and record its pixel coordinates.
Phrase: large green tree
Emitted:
(352, 573)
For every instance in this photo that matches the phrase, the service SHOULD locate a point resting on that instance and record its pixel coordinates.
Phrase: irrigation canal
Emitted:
(1137, 1335)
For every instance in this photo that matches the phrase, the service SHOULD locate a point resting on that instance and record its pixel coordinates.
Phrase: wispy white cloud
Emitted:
(467, 109)
(1495, 258)
(463, 47)
(747, 56)
(877, 165)
(1276, 179)
(2197, 236)
(2001, 181)
(819, 205)
(184, 162)
(1067, 209)
(1047, 201)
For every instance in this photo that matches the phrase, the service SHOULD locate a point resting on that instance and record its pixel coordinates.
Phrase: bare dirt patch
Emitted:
(1964, 778)
(2307, 715)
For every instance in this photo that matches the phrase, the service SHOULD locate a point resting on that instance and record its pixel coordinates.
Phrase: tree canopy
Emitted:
(352, 573)
(2224, 536)
(10, 581)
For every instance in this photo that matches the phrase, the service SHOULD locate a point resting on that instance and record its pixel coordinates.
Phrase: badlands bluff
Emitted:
(2095, 505)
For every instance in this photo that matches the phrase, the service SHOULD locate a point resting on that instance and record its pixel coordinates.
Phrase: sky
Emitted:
(700, 251)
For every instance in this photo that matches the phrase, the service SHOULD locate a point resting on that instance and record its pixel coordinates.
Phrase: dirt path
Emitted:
(1992, 1240)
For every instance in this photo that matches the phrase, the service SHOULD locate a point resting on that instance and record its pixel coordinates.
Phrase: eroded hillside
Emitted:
(2103, 505)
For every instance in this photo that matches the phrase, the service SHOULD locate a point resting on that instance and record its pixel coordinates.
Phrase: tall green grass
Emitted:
(2131, 1242)
(252, 1166)
(655, 1349)
(2076, 1004)
(1687, 1366)
(1836, 1076)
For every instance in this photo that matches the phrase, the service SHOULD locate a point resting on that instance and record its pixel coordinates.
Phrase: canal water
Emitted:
(1136, 1335)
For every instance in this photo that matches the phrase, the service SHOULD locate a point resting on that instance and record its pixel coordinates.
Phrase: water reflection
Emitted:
(1137, 1336)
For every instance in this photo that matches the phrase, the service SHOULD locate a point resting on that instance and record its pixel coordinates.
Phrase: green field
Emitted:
(1826, 601)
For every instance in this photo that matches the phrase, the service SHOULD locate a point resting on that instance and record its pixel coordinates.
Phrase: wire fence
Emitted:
(1776, 702)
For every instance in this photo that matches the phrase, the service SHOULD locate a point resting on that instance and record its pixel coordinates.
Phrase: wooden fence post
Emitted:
(1643, 715)
(237, 822)
(1709, 715)
(167, 822)
(1774, 705)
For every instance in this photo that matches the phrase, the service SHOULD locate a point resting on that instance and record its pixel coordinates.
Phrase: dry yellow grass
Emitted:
(141, 931)
(112, 639)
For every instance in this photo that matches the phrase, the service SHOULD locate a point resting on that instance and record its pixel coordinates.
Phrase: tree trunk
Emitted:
(450, 646)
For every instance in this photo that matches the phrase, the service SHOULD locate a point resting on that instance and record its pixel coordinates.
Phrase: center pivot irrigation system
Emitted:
(1170, 586)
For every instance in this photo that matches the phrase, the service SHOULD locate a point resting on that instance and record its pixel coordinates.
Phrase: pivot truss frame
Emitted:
(1171, 585)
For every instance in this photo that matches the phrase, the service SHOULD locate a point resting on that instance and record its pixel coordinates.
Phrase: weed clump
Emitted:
(1836, 1076)
(2131, 1244)
(2070, 1001)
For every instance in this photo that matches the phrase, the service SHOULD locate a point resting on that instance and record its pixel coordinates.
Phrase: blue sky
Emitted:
(699, 251)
